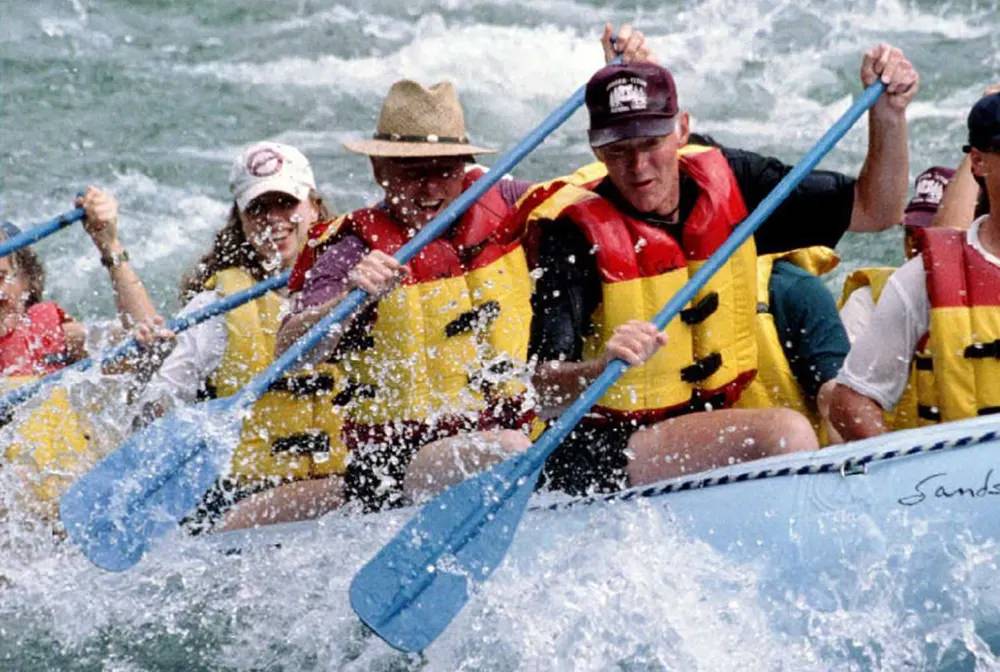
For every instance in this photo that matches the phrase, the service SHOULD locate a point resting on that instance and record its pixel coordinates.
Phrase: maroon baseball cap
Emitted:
(637, 100)
(928, 191)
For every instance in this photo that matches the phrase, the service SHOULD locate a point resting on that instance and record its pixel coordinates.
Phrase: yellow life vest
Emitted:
(292, 431)
(964, 335)
(711, 351)
(906, 414)
(775, 385)
(453, 336)
(52, 443)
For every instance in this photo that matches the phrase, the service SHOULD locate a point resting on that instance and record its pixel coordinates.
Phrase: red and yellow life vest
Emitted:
(711, 354)
(292, 431)
(775, 385)
(451, 338)
(906, 414)
(964, 335)
(38, 345)
(50, 445)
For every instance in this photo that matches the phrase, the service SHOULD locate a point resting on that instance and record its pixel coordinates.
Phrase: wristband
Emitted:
(114, 259)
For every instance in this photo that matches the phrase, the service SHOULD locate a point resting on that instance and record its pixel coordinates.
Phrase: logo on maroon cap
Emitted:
(627, 94)
(265, 162)
(929, 189)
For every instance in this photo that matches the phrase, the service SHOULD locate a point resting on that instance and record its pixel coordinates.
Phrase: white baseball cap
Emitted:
(270, 166)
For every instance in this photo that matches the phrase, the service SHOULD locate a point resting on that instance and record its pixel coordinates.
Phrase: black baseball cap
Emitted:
(984, 124)
(630, 101)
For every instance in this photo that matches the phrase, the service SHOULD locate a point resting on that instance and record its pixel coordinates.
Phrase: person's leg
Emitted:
(447, 461)
(698, 441)
(298, 500)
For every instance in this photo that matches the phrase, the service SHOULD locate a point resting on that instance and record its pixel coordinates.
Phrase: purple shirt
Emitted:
(328, 276)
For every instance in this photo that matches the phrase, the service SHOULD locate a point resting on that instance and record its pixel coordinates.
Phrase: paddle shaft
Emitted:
(177, 325)
(36, 233)
(529, 464)
(437, 226)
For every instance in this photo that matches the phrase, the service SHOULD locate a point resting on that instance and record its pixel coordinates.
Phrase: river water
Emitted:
(153, 98)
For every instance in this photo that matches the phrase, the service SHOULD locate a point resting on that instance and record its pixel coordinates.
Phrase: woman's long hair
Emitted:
(26, 263)
(232, 249)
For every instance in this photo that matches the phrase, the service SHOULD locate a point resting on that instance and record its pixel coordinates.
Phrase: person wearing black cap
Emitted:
(617, 238)
(945, 301)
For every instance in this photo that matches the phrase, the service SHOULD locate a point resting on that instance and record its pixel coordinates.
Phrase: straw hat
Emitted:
(417, 122)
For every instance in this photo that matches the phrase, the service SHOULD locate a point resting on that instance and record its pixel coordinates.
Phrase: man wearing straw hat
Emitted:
(436, 364)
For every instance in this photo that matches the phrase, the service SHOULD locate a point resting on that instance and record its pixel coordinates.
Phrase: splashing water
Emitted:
(618, 587)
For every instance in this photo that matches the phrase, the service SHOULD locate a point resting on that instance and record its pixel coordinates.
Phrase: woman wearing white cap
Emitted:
(283, 440)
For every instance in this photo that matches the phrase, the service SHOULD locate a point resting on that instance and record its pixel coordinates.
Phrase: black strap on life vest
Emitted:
(354, 390)
(304, 386)
(701, 311)
(983, 350)
(923, 363)
(702, 368)
(306, 443)
(931, 413)
(481, 316)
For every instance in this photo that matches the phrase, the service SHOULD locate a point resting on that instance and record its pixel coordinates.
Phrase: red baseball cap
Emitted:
(637, 100)
(928, 190)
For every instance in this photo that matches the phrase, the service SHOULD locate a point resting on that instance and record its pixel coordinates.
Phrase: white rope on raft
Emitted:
(848, 467)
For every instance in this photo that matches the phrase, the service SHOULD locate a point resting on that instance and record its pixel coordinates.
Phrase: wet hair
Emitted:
(26, 263)
(232, 249)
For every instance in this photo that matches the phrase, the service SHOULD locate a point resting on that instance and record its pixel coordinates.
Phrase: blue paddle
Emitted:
(19, 395)
(419, 581)
(141, 490)
(36, 233)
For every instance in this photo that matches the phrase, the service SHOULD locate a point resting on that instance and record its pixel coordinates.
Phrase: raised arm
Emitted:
(880, 193)
(133, 303)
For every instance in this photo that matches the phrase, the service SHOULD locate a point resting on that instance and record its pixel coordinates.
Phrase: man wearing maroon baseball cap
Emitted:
(618, 238)
(944, 302)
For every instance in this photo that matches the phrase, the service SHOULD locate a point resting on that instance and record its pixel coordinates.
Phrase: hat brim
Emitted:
(918, 218)
(402, 150)
(297, 191)
(643, 127)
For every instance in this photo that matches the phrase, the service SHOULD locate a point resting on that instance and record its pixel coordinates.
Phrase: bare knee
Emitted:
(789, 432)
(511, 441)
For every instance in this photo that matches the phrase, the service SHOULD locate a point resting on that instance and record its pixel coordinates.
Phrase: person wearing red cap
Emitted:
(616, 239)
(946, 302)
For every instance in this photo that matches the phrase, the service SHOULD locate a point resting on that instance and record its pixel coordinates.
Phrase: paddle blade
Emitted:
(413, 588)
(145, 487)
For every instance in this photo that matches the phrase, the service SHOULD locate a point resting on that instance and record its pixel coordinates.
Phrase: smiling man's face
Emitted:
(645, 170)
(418, 189)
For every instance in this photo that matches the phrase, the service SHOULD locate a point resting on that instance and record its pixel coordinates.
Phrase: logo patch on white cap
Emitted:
(265, 162)
(627, 94)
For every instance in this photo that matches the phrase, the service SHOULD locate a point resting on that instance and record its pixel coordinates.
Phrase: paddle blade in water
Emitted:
(141, 490)
(419, 581)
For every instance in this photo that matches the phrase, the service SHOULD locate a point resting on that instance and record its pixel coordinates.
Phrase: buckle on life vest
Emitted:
(983, 350)
(481, 316)
(306, 443)
(702, 368)
(354, 390)
(701, 311)
(923, 363)
(304, 386)
(496, 373)
(354, 342)
(932, 413)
